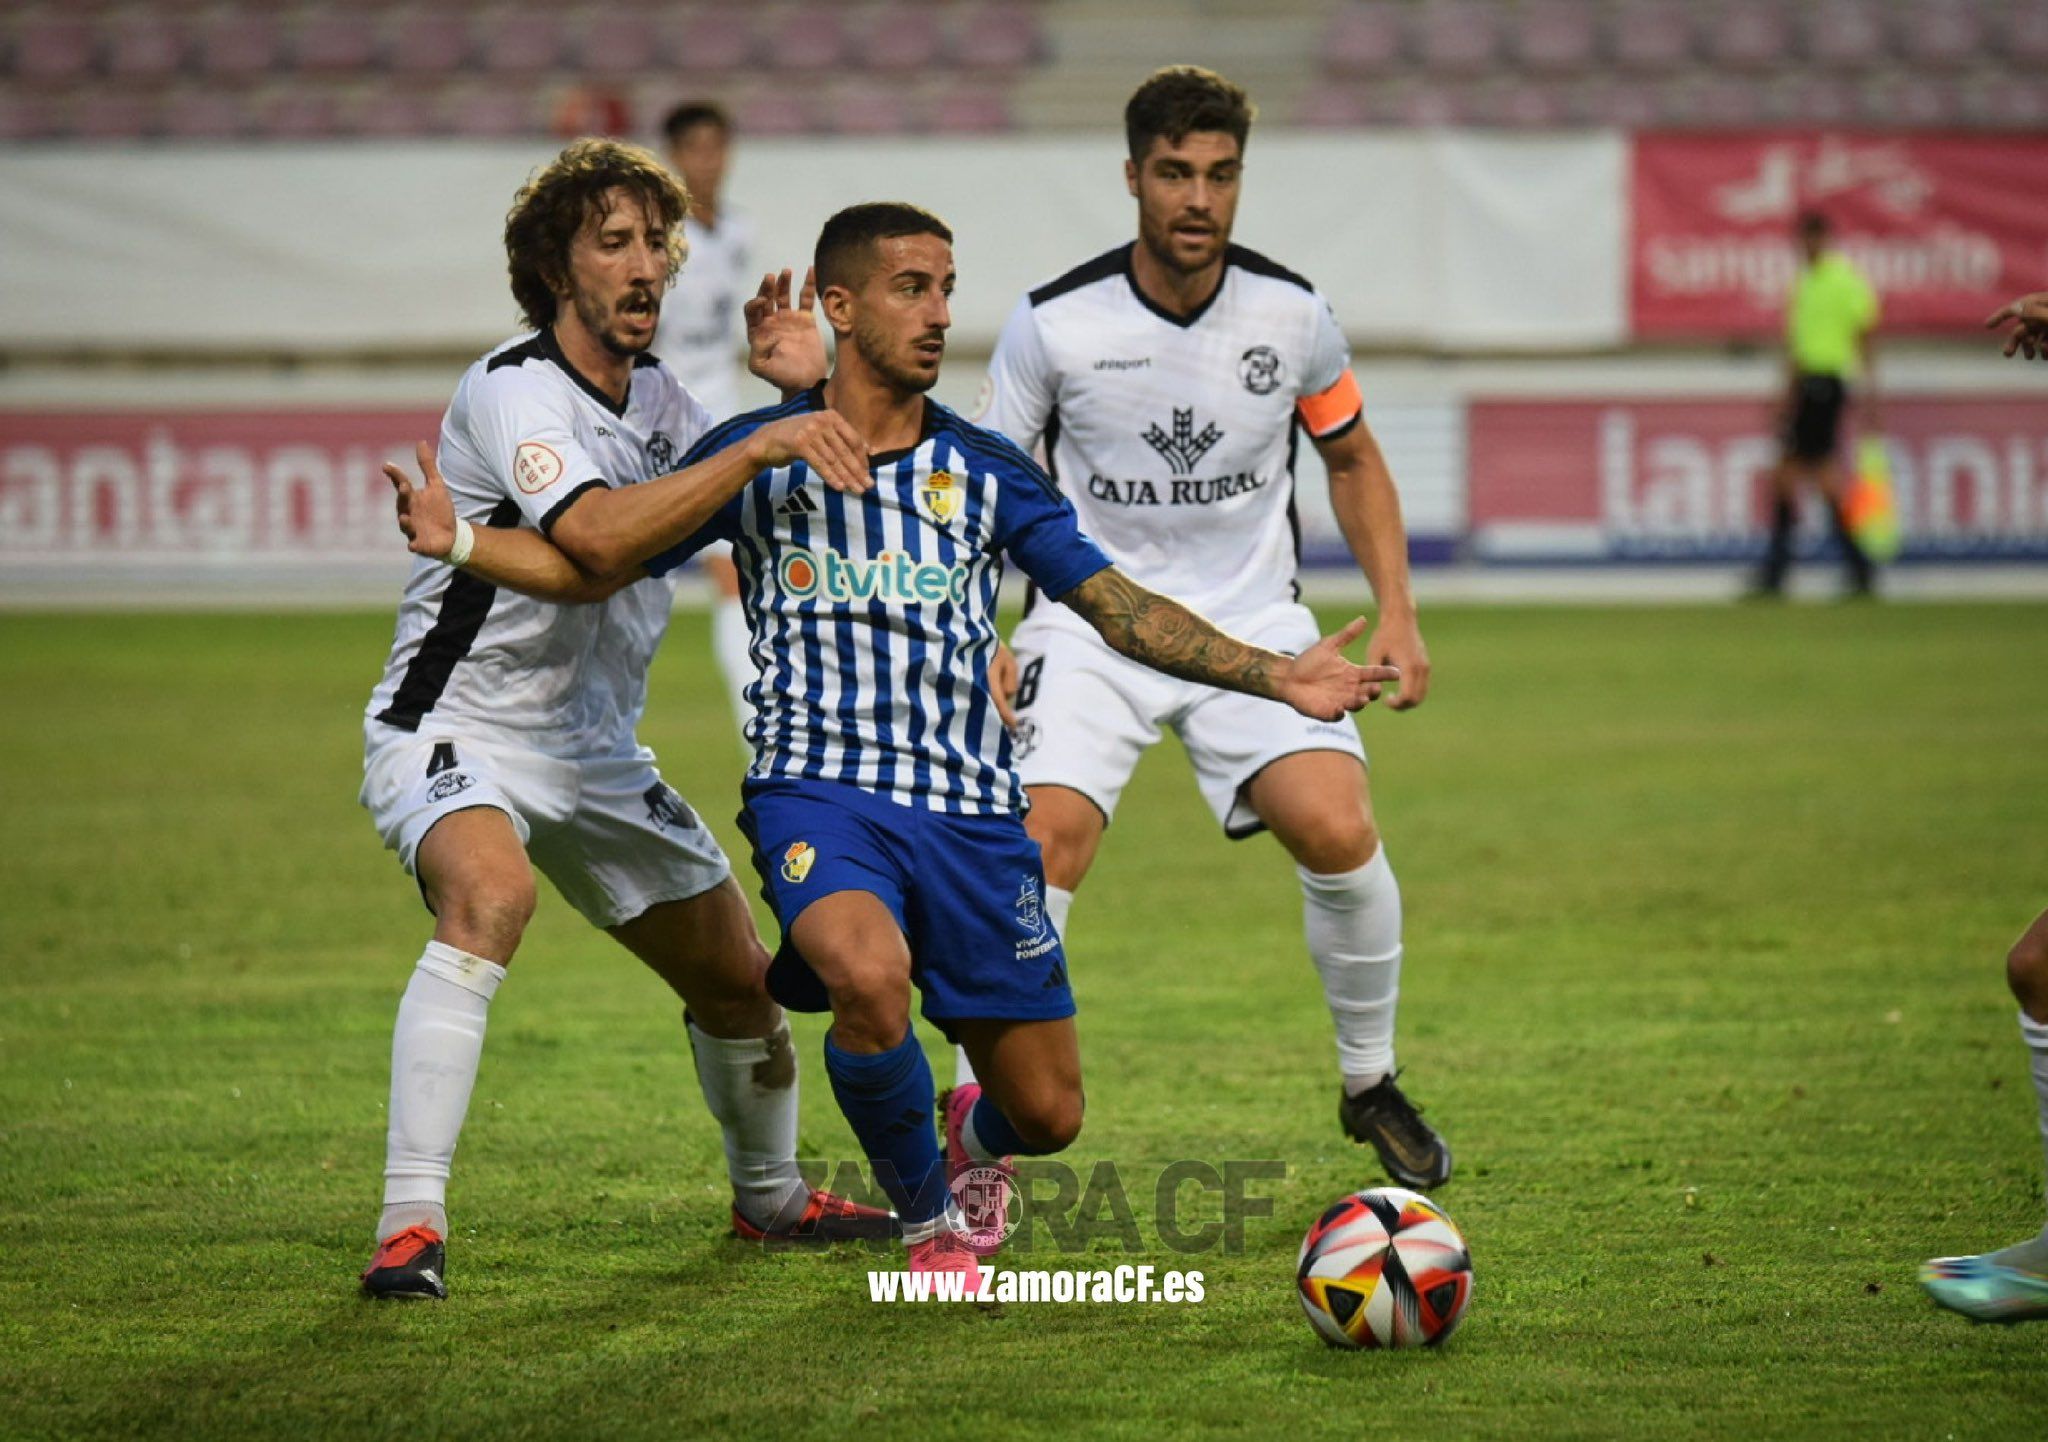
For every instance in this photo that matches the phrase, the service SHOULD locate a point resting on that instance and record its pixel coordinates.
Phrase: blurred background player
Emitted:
(502, 735)
(1166, 379)
(1829, 322)
(885, 812)
(2011, 1285)
(700, 337)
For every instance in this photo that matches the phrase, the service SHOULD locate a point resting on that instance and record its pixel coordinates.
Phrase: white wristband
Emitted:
(465, 542)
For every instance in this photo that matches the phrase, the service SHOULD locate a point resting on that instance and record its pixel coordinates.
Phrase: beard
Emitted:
(1159, 242)
(874, 349)
(597, 317)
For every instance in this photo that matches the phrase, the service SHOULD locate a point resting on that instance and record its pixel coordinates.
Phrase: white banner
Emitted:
(1451, 240)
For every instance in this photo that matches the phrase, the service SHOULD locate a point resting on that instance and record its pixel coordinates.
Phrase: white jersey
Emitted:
(525, 435)
(1174, 436)
(702, 334)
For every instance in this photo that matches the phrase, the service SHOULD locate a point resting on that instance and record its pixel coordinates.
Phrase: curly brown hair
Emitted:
(552, 207)
(1175, 102)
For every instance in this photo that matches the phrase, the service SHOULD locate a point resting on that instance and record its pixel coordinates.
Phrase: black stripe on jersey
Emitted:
(733, 427)
(1258, 264)
(645, 359)
(463, 607)
(547, 522)
(544, 346)
(1052, 450)
(1294, 432)
(1105, 266)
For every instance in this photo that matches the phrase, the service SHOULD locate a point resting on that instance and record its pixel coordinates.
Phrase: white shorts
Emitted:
(1085, 715)
(611, 835)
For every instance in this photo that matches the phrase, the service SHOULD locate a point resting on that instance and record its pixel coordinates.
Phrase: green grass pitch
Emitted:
(1706, 916)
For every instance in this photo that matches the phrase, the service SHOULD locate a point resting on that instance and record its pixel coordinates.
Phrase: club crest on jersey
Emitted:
(797, 861)
(661, 453)
(941, 495)
(1261, 370)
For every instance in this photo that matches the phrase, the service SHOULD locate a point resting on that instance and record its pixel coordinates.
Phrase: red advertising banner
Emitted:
(190, 484)
(1946, 227)
(1687, 479)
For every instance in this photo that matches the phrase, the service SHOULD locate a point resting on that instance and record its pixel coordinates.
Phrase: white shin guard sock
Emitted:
(730, 643)
(1057, 900)
(2032, 1255)
(435, 1046)
(1353, 924)
(750, 1087)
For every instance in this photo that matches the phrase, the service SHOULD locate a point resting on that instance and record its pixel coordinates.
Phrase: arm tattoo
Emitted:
(1165, 635)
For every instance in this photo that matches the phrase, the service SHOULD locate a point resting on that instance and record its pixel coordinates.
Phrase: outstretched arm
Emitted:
(1159, 632)
(519, 560)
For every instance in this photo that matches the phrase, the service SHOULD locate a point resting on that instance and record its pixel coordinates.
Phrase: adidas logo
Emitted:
(797, 503)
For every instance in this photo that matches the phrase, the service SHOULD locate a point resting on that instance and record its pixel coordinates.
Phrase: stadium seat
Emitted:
(2010, 103)
(422, 40)
(899, 37)
(53, 48)
(1919, 101)
(1721, 101)
(1845, 34)
(144, 45)
(973, 110)
(27, 116)
(1519, 105)
(239, 44)
(400, 112)
(1819, 100)
(490, 112)
(1334, 105)
(716, 39)
(107, 113)
(1432, 105)
(1458, 37)
(1752, 35)
(1363, 39)
(767, 111)
(523, 41)
(204, 114)
(331, 42)
(618, 41)
(808, 38)
(297, 111)
(1940, 34)
(1556, 36)
(1651, 36)
(997, 36)
(2024, 33)
(866, 110)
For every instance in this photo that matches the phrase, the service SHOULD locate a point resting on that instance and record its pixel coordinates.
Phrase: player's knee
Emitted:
(870, 1007)
(489, 912)
(2026, 970)
(1051, 1120)
(1333, 844)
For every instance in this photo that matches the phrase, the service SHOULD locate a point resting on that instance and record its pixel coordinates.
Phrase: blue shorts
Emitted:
(968, 891)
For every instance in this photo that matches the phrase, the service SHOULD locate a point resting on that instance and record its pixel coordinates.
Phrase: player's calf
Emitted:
(2026, 969)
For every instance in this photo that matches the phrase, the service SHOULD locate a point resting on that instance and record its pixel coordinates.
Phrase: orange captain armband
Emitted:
(1334, 411)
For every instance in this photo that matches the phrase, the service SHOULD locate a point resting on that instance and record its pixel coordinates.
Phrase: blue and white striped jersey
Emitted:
(873, 616)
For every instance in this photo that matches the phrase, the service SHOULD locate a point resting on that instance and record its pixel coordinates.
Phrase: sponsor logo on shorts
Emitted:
(797, 861)
(449, 783)
(1036, 936)
(1261, 370)
(665, 808)
(535, 467)
(941, 497)
(892, 577)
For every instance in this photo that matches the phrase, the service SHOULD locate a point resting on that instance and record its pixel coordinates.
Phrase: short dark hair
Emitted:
(551, 208)
(1814, 222)
(846, 246)
(691, 114)
(1181, 99)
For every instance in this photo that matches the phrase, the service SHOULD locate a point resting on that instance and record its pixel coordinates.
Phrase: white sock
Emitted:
(1057, 900)
(730, 642)
(2032, 1254)
(750, 1087)
(434, 1050)
(1353, 924)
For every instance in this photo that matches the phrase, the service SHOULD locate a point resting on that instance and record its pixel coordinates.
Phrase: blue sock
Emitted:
(995, 1134)
(888, 1101)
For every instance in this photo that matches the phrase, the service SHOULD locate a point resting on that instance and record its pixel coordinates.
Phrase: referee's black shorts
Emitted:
(1816, 418)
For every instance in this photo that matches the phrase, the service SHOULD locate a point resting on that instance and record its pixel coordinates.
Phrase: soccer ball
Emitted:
(1384, 1268)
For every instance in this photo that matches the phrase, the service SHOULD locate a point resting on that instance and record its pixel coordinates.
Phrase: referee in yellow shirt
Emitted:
(1828, 325)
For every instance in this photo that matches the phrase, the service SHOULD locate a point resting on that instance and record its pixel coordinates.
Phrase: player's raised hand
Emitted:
(784, 347)
(426, 513)
(2028, 316)
(823, 440)
(1397, 642)
(1321, 683)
